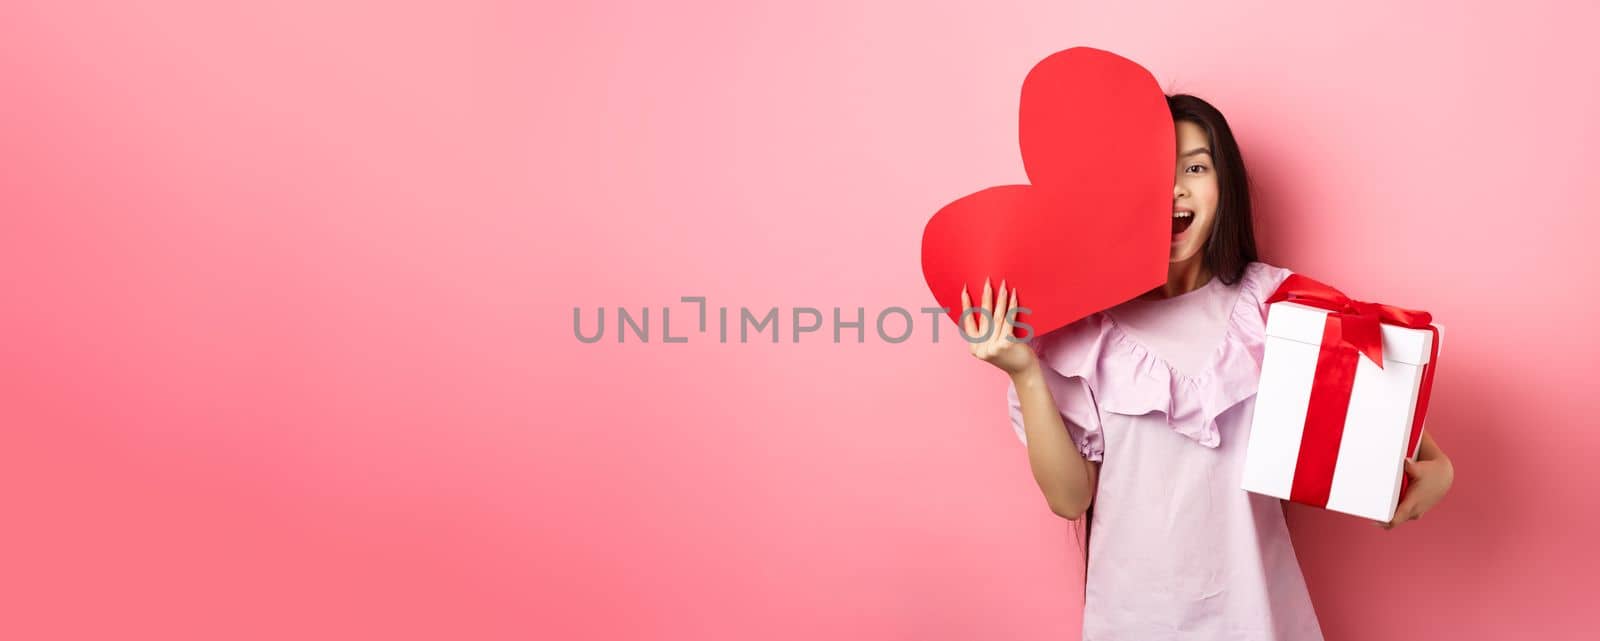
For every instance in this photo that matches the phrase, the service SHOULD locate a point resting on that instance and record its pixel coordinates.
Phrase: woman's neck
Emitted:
(1182, 278)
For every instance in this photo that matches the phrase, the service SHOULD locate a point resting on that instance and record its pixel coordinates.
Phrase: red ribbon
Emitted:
(1352, 329)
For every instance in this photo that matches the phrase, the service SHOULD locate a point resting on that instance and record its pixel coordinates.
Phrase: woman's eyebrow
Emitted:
(1197, 150)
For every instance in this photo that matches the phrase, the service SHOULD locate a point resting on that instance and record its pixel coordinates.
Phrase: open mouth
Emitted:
(1181, 221)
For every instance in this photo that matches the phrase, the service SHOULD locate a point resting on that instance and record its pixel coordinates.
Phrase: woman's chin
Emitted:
(1182, 253)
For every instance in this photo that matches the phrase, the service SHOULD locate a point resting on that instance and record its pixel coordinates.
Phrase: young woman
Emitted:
(1136, 418)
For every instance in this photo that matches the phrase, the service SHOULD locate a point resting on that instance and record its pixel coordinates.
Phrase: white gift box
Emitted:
(1367, 455)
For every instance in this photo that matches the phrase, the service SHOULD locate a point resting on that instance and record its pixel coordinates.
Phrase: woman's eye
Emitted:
(1195, 168)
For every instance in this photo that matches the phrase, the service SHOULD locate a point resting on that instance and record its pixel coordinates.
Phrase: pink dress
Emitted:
(1161, 393)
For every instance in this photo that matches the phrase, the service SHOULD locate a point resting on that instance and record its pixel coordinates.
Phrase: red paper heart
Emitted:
(1094, 227)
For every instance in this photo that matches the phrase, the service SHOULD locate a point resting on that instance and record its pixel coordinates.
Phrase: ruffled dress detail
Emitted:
(1133, 381)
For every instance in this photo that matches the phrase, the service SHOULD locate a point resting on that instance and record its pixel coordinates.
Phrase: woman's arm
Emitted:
(1065, 477)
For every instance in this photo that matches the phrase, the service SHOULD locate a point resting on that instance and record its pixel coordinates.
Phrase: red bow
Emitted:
(1351, 326)
(1354, 322)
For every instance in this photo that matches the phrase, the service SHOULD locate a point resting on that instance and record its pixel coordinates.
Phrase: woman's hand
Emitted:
(1000, 348)
(1431, 475)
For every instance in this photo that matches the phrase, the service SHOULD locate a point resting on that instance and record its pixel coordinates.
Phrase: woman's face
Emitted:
(1194, 193)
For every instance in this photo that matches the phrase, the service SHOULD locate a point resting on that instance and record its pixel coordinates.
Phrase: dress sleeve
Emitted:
(1078, 413)
(1075, 400)
(1265, 282)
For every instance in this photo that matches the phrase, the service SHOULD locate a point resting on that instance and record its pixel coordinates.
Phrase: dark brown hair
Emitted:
(1232, 244)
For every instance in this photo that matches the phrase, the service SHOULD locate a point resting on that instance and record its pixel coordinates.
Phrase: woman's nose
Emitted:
(1177, 190)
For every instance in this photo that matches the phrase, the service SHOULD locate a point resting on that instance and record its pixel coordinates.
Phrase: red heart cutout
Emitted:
(1094, 228)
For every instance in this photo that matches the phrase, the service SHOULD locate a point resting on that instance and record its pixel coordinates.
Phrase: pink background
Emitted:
(287, 341)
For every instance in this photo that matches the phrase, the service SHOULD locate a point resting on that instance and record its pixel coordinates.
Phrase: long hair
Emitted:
(1232, 245)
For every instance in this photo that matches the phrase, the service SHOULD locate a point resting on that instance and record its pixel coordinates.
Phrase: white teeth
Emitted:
(1182, 214)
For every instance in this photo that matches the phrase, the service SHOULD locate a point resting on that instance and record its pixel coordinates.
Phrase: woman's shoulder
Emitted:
(1259, 280)
(1264, 274)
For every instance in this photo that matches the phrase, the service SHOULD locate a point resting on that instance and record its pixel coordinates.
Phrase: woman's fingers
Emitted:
(1006, 326)
(1001, 304)
(991, 321)
(969, 323)
(1401, 515)
(1408, 510)
(988, 305)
